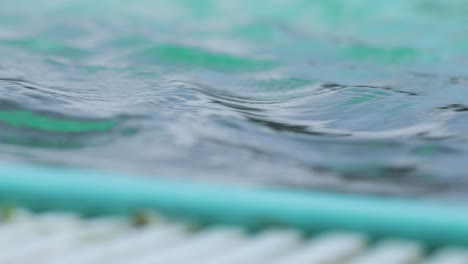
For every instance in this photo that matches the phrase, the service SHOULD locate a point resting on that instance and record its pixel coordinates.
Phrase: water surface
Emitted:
(350, 95)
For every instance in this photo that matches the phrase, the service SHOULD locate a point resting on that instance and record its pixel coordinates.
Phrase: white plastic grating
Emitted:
(59, 238)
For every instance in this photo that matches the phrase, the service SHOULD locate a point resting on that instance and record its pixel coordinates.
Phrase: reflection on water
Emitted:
(369, 95)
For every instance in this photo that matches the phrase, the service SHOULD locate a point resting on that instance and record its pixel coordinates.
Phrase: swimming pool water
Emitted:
(350, 95)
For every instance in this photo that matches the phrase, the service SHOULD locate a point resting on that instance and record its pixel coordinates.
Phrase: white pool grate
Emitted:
(58, 238)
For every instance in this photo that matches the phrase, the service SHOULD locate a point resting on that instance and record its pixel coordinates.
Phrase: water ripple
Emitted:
(309, 94)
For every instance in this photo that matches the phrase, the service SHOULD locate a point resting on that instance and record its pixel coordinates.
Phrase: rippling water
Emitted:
(350, 95)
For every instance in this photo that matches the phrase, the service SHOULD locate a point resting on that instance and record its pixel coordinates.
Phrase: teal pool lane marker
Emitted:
(91, 193)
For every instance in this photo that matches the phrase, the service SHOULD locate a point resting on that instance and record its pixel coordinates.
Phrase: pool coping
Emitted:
(93, 192)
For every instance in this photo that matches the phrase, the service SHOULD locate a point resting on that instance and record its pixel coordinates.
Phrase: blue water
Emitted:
(368, 96)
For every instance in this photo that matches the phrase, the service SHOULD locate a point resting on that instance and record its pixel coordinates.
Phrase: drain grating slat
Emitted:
(59, 238)
(449, 256)
(392, 252)
(328, 248)
(262, 248)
